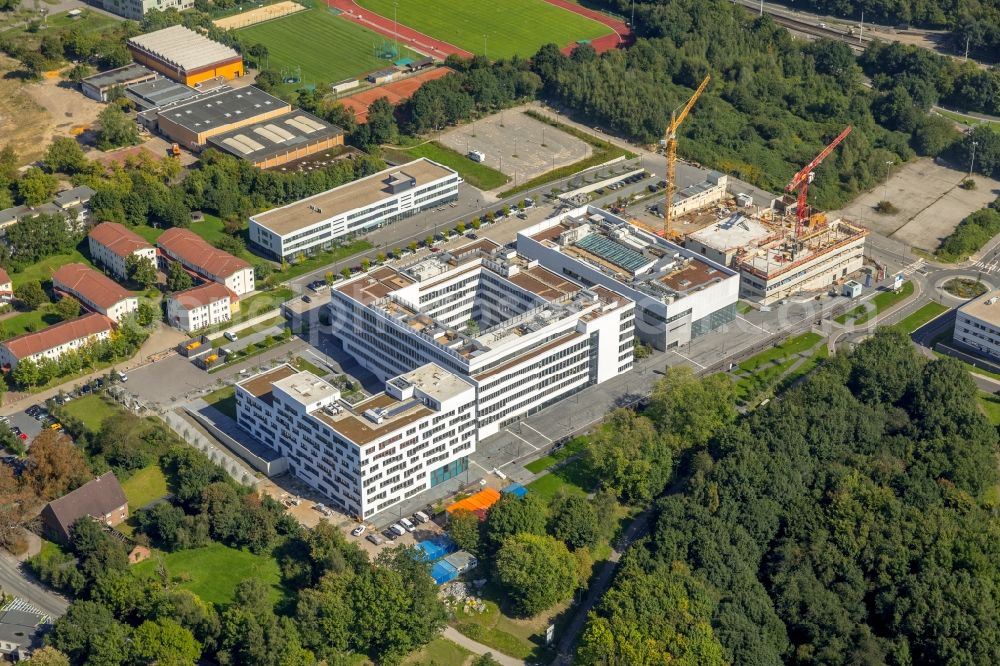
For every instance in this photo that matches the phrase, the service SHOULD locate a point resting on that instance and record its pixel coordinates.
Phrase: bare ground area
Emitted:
(258, 15)
(929, 200)
(515, 143)
(24, 124)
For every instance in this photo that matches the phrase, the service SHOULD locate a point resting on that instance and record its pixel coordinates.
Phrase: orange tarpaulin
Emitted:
(481, 501)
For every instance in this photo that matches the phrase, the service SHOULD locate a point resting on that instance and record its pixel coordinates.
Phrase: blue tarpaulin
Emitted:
(436, 548)
(515, 489)
(442, 572)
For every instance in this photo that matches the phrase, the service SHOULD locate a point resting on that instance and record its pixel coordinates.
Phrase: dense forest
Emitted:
(852, 521)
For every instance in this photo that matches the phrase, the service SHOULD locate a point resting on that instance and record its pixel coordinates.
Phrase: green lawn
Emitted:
(259, 303)
(878, 303)
(302, 364)
(43, 270)
(212, 572)
(572, 447)
(224, 400)
(327, 48)
(789, 347)
(27, 322)
(475, 174)
(144, 486)
(324, 258)
(513, 27)
(91, 410)
(574, 478)
(766, 369)
(928, 312)
(972, 122)
(991, 407)
(494, 629)
(438, 651)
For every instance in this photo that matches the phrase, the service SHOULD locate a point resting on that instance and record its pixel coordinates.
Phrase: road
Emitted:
(20, 584)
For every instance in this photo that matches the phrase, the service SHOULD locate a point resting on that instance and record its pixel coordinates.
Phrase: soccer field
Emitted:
(511, 26)
(326, 47)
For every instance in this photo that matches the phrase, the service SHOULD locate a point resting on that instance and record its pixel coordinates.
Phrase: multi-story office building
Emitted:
(523, 336)
(313, 224)
(678, 294)
(977, 325)
(371, 455)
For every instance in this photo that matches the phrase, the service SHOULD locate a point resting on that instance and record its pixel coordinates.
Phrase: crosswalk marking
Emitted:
(988, 266)
(913, 268)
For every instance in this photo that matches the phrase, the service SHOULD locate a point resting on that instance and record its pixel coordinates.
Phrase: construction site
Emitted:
(780, 249)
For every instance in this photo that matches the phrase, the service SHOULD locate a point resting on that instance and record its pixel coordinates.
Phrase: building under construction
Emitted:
(773, 259)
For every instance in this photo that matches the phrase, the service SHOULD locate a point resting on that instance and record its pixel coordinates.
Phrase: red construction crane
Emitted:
(801, 180)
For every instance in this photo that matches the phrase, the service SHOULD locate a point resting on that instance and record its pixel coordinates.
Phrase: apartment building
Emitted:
(369, 456)
(111, 244)
(55, 340)
(95, 291)
(202, 306)
(524, 336)
(313, 224)
(678, 294)
(6, 287)
(195, 254)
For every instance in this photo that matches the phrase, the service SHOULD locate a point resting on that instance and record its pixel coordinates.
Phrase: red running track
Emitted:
(622, 36)
(409, 37)
(418, 41)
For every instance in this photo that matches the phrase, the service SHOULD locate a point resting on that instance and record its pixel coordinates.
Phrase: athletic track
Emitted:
(418, 41)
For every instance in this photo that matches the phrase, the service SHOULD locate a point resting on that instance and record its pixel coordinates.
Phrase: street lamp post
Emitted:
(885, 186)
(972, 162)
(484, 44)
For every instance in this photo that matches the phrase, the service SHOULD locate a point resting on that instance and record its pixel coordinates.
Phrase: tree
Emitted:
(513, 515)
(36, 187)
(99, 553)
(55, 465)
(164, 641)
(692, 408)
(537, 572)
(67, 308)
(140, 270)
(116, 129)
(464, 528)
(146, 314)
(47, 656)
(89, 632)
(485, 660)
(26, 374)
(65, 156)
(573, 521)
(345, 272)
(178, 279)
(17, 507)
(31, 294)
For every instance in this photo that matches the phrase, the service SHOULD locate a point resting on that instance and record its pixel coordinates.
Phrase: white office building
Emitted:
(523, 336)
(371, 455)
(977, 325)
(315, 223)
(678, 294)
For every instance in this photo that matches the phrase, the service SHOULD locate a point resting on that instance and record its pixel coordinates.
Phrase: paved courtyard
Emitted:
(517, 144)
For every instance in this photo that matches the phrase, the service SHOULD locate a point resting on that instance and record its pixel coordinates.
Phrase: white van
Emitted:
(422, 517)
(397, 529)
(477, 156)
(408, 524)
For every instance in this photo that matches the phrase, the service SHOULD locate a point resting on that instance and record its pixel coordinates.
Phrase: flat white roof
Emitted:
(307, 388)
(736, 231)
(183, 48)
(985, 308)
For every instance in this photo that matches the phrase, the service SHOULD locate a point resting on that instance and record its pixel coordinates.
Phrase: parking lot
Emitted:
(517, 144)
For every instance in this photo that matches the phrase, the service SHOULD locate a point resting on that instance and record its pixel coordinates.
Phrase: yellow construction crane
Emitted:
(671, 140)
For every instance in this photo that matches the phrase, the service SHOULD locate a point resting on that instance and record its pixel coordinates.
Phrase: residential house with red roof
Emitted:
(95, 290)
(55, 340)
(111, 244)
(198, 307)
(198, 256)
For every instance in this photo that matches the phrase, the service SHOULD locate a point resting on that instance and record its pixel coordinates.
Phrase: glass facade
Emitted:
(714, 320)
(449, 471)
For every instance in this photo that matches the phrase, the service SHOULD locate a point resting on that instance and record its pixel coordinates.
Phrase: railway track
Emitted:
(809, 27)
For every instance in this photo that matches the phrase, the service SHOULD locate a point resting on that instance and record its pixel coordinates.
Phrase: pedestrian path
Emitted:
(914, 267)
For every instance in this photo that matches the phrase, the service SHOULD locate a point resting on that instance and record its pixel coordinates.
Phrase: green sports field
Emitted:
(326, 47)
(511, 26)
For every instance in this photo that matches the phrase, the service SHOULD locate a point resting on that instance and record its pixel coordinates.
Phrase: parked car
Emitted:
(122, 377)
(358, 531)
(407, 524)
(229, 335)
(472, 236)
(307, 299)
(376, 539)
(421, 517)
(316, 285)
(397, 529)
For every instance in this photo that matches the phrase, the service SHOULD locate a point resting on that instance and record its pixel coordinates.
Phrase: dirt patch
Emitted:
(515, 143)
(930, 204)
(258, 15)
(24, 124)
